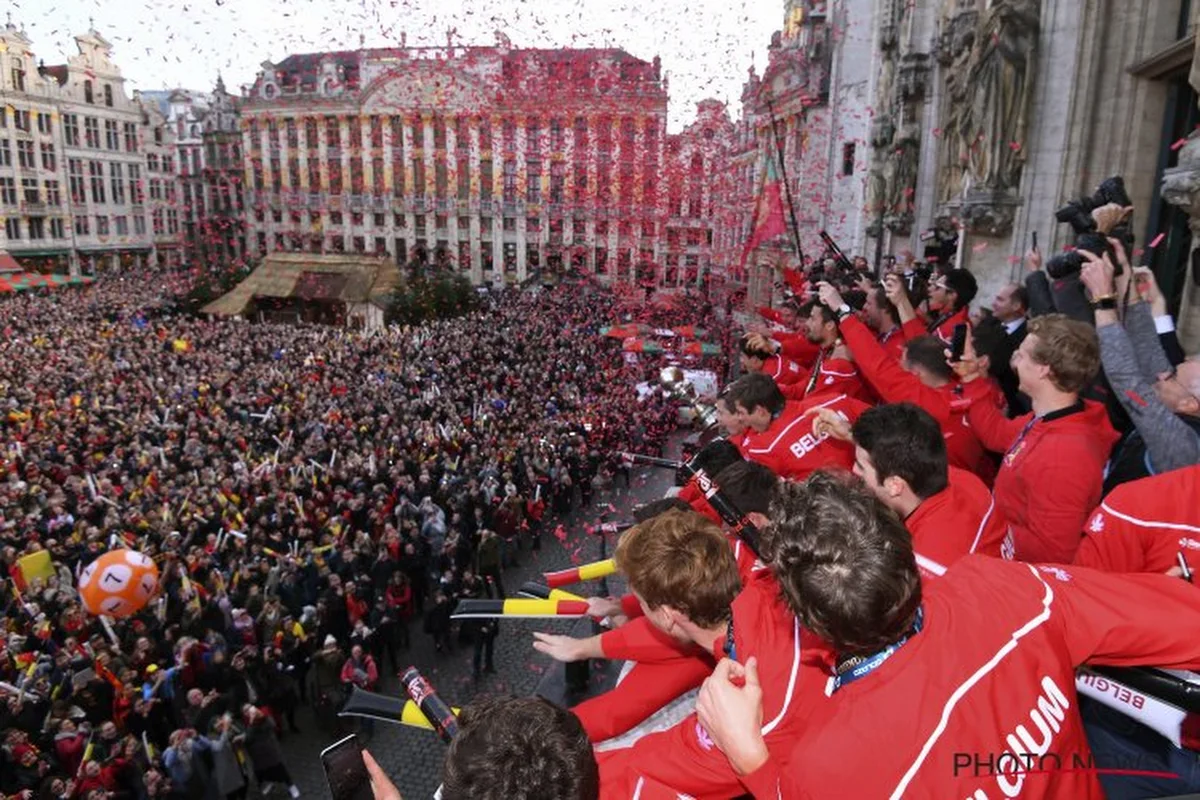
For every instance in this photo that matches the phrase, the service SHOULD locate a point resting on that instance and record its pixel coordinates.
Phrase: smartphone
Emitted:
(1033, 236)
(959, 342)
(346, 771)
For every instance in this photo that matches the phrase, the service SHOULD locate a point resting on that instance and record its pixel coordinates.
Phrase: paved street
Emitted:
(414, 757)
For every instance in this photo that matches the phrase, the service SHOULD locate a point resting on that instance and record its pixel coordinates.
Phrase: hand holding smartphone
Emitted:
(346, 771)
(958, 344)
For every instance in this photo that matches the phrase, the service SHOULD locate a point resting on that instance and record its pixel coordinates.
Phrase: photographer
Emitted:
(1162, 402)
(1095, 219)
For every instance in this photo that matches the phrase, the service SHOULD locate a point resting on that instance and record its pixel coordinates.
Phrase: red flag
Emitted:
(767, 220)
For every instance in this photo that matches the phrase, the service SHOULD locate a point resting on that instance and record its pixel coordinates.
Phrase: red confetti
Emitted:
(1156, 240)
(1179, 143)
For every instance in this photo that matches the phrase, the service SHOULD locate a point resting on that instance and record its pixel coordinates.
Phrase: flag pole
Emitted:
(787, 186)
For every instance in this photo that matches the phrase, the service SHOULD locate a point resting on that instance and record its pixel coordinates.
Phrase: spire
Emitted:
(220, 85)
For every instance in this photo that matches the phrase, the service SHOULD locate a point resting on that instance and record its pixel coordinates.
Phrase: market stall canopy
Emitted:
(634, 344)
(306, 276)
(12, 282)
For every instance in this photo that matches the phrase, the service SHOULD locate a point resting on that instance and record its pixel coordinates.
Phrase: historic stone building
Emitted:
(956, 128)
(73, 160)
(157, 191)
(992, 114)
(807, 118)
(222, 210)
(503, 161)
(186, 111)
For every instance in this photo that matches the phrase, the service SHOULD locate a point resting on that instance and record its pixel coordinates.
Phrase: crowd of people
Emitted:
(920, 518)
(939, 516)
(312, 498)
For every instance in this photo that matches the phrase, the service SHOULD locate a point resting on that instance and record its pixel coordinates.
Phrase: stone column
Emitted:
(1181, 187)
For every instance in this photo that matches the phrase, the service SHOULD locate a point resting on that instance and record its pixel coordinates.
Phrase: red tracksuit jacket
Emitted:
(957, 521)
(684, 757)
(791, 449)
(892, 342)
(992, 671)
(894, 385)
(944, 330)
(1051, 476)
(784, 370)
(690, 493)
(827, 376)
(796, 346)
(1142, 525)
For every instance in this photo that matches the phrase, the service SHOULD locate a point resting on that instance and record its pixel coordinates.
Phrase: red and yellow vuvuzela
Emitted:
(521, 607)
(586, 572)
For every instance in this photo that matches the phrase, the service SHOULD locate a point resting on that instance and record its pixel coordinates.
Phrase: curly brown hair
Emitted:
(844, 562)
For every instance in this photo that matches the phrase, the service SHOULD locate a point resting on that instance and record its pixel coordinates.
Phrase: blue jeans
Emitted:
(1122, 743)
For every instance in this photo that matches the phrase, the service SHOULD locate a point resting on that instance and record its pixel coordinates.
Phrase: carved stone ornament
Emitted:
(989, 212)
(1181, 184)
(914, 75)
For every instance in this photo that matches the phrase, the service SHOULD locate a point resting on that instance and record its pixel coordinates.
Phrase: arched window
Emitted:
(108, 95)
(87, 92)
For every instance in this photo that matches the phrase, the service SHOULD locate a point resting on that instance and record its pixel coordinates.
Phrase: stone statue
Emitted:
(1003, 61)
(902, 181)
(956, 116)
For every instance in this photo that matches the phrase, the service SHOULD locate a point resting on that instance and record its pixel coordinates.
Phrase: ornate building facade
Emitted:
(992, 114)
(186, 111)
(807, 117)
(502, 161)
(220, 208)
(74, 161)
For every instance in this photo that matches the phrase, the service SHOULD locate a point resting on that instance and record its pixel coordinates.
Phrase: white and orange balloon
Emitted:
(118, 583)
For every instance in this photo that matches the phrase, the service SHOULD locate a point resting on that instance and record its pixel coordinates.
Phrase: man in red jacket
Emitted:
(921, 377)
(679, 566)
(884, 320)
(665, 668)
(755, 357)
(961, 687)
(901, 456)
(950, 296)
(791, 343)
(832, 372)
(1053, 468)
(776, 433)
(1146, 525)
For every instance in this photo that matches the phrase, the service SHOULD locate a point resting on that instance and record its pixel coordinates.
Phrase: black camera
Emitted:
(1078, 214)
